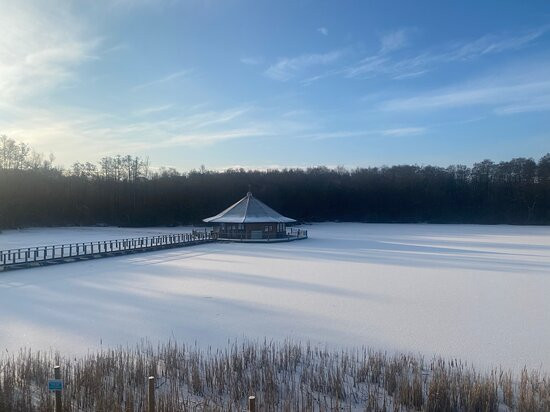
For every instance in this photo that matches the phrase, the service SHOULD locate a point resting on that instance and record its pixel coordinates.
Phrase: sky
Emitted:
(265, 84)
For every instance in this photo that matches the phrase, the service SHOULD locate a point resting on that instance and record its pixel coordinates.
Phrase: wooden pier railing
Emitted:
(45, 255)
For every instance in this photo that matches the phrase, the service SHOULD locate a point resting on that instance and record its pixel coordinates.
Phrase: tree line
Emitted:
(126, 191)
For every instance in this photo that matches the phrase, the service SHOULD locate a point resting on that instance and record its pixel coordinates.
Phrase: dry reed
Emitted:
(283, 376)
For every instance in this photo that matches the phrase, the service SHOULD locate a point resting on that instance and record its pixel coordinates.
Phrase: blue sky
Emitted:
(262, 84)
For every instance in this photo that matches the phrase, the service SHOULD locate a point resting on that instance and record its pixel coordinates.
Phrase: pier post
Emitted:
(151, 394)
(58, 400)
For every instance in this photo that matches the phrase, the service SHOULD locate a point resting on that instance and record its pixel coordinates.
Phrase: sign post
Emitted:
(151, 397)
(56, 385)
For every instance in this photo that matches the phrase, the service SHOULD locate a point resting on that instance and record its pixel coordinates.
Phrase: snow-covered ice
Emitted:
(479, 293)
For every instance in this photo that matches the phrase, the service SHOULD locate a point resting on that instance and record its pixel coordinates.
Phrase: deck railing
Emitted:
(289, 234)
(43, 255)
(31, 256)
(296, 233)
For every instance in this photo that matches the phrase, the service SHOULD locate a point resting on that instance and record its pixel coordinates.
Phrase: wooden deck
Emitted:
(23, 258)
(290, 237)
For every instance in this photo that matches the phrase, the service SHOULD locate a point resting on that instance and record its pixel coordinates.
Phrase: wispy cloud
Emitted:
(86, 135)
(129, 4)
(252, 61)
(165, 79)
(394, 40)
(263, 168)
(153, 110)
(369, 66)
(384, 63)
(502, 94)
(493, 44)
(119, 47)
(403, 131)
(397, 132)
(210, 118)
(39, 51)
(287, 68)
(206, 138)
(323, 31)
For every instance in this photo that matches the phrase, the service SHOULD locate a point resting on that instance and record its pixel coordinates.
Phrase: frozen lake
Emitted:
(479, 293)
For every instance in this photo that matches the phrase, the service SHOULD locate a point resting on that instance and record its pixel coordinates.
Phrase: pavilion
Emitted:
(252, 220)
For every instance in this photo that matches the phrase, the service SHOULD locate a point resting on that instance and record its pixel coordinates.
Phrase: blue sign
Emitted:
(55, 385)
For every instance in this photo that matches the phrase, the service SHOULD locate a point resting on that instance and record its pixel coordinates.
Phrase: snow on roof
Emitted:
(249, 210)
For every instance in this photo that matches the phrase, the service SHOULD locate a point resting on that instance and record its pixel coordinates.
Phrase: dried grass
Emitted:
(283, 376)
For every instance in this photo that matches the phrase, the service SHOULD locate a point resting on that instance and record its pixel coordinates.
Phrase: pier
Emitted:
(29, 257)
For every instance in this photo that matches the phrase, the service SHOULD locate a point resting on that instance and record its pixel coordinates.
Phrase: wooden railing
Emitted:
(41, 255)
(296, 233)
(288, 235)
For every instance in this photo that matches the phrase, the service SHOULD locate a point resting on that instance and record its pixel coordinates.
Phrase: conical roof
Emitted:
(249, 210)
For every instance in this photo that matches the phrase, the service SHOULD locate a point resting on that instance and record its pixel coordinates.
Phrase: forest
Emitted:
(127, 191)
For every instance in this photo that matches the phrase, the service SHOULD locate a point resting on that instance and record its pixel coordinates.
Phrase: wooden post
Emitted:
(251, 404)
(58, 401)
(151, 397)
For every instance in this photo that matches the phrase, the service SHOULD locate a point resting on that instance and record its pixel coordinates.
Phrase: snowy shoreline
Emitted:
(474, 292)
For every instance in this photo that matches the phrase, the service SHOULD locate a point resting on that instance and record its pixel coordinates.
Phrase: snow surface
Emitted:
(478, 293)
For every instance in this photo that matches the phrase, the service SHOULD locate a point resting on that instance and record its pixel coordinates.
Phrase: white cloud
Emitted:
(252, 61)
(153, 110)
(372, 65)
(130, 4)
(397, 132)
(85, 135)
(538, 104)
(287, 68)
(394, 40)
(384, 64)
(39, 50)
(493, 44)
(263, 168)
(501, 93)
(403, 131)
(165, 79)
(323, 31)
(206, 138)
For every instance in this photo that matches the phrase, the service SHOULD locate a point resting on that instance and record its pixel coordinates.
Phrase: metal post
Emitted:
(58, 401)
(151, 398)
(251, 404)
